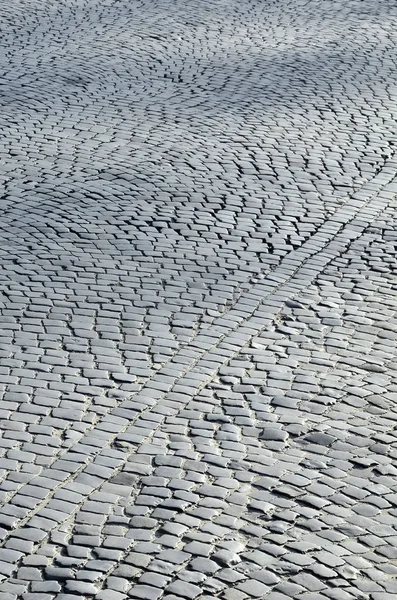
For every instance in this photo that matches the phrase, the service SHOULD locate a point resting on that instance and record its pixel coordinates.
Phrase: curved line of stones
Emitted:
(226, 338)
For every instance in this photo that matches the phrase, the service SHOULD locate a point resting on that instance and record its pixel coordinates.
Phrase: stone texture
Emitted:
(198, 315)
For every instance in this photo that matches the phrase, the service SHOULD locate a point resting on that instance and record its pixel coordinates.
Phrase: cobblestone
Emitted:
(198, 317)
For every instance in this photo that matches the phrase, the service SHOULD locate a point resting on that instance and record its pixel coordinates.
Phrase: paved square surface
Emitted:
(198, 300)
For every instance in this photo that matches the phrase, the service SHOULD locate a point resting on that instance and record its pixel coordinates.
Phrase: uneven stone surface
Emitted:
(198, 300)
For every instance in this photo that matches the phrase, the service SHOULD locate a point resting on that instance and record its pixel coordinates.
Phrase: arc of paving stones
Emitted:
(91, 461)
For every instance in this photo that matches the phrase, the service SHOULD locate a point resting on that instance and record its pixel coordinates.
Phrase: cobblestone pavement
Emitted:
(198, 300)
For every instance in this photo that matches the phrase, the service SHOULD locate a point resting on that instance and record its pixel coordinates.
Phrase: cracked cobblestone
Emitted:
(198, 313)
